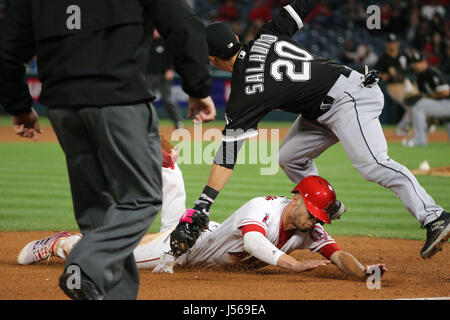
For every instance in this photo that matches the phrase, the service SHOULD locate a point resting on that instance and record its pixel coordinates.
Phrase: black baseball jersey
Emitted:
(398, 64)
(275, 72)
(432, 80)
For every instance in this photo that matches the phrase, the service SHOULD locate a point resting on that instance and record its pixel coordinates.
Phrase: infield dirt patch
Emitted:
(439, 171)
(408, 277)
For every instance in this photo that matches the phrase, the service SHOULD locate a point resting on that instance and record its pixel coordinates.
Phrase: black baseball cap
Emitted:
(391, 37)
(222, 42)
(417, 57)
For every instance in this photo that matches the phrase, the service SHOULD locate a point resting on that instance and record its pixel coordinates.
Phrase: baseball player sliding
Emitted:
(261, 232)
(334, 103)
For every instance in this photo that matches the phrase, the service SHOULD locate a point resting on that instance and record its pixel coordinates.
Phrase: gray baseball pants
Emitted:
(353, 119)
(113, 156)
(428, 107)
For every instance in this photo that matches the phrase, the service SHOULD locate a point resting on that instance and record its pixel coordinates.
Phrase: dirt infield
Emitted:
(8, 135)
(408, 277)
(440, 171)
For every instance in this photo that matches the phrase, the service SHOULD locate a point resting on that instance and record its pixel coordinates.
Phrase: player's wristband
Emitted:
(206, 199)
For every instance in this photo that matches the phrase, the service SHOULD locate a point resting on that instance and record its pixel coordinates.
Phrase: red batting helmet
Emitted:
(318, 195)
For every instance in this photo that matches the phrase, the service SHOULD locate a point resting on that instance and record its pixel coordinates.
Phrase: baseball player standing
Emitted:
(392, 65)
(160, 75)
(433, 99)
(261, 232)
(334, 104)
(91, 56)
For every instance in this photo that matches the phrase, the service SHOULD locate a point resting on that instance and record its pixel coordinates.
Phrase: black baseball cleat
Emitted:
(438, 232)
(78, 289)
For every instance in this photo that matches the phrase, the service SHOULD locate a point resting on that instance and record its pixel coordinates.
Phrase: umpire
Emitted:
(160, 76)
(91, 57)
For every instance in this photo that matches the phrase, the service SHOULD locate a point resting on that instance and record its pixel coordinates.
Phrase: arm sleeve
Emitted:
(256, 244)
(16, 49)
(227, 154)
(290, 19)
(186, 42)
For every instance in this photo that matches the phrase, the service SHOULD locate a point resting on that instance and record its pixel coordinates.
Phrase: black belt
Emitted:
(328, 100)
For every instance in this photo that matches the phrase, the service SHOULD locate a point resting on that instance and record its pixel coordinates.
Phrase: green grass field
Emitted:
(35, 195)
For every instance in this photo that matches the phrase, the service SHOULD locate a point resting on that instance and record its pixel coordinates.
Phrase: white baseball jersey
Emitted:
(223, 243)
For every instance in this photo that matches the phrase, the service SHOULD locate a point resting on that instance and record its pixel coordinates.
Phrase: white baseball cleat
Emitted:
(39, 250)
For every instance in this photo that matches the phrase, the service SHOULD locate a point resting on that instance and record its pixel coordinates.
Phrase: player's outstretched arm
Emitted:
(221, 171)
(348, 264)
(219, 176)
(256, 244)
(290, 263)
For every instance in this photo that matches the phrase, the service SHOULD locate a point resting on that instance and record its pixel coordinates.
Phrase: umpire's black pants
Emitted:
(114, 161)
(157, 82)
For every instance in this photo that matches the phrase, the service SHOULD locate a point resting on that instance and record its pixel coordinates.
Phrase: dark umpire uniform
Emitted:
(91, 57)
(159, 63)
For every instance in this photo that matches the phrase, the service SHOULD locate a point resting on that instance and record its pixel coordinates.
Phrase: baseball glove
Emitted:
(184, 236)
(165, 145)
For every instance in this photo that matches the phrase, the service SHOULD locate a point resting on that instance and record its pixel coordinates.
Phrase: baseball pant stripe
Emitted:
(376, 160)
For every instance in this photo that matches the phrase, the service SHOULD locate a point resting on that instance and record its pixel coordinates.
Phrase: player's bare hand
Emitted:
(309, 265)
(381, 266)
(27, 125)
(203, 109)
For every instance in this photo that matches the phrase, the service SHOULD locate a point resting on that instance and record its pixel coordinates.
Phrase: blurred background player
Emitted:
(160, 75)
(261, 232)
(393, 66)
(433, 99)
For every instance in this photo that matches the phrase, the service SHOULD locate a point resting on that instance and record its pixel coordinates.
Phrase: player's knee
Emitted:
(287, 161)
(372, 170)
(380, 171)
(283, 157)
